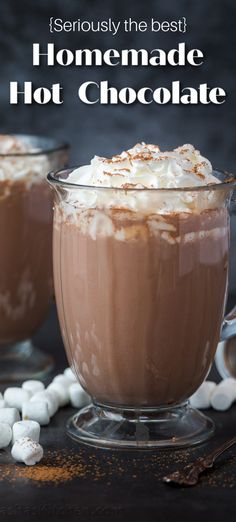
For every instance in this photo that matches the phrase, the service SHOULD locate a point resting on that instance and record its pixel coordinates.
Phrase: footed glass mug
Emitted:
(26, 287)
(140, 291)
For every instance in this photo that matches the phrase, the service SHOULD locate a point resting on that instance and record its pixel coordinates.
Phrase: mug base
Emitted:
(21, 361)
(117, 428)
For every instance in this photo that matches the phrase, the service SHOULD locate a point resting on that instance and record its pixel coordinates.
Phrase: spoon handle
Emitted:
(210, 459)
(190, 474)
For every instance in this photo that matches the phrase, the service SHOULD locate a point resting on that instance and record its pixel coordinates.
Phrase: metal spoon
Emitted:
(190, 474)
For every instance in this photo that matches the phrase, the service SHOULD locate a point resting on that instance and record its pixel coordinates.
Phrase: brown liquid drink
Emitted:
(139, 311)
(25, 269)
(140, 279)
(26, 243)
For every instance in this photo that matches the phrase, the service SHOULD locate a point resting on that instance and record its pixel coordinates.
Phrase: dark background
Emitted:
(107, 129)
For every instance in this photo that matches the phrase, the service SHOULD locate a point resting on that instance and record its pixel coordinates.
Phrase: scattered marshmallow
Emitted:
(9, 415)
(78, 397)
(27, 450)
(61, 391)
(5, 434)
(37, 411)
(69, 374)
(50, 398)
(37, 405)
(27, 428)
(62, 379)
(224, 394)
(15, 397)
(202, 397)
(33, 386)
(53, 394)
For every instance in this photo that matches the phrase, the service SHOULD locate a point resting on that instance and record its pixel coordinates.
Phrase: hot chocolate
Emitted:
(141, 274)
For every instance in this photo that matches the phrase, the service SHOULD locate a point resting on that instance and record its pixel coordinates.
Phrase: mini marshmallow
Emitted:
(78, 397)
(224, 395)
(61, 391)
(15, 397)
(1, 396)
(26, 428)
(69, 374)
(36, 411)
(33, 386)
(202, 397)
(62, 379)
(5, 434)
(2, 403)
(50, 398)
(27, 450)
(9, 415)
(54, 395)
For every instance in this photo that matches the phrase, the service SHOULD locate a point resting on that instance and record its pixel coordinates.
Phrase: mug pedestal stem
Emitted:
(133, 428)
(21, 361)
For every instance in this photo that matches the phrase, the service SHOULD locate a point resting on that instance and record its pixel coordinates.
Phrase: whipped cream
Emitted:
(10, 144)
(146, 166)
(25, 164)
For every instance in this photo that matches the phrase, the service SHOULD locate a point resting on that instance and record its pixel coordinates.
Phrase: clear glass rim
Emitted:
(54, 145)
(229, 182)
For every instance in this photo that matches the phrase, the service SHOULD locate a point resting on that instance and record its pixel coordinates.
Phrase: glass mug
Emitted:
(26, 285)
(140, 296)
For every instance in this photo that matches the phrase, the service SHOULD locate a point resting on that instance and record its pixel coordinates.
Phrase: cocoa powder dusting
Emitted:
(55, 468)
(63, 466)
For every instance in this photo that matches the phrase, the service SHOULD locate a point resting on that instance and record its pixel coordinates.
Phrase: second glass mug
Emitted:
(26, 286)
(140, 295)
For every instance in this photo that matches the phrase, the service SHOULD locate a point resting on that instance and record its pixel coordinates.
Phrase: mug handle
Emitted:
(228, 331)
(229, 325)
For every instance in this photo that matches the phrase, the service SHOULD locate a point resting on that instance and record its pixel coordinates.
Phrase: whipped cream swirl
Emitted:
(25, 164)
(146, 166)
(10, 144)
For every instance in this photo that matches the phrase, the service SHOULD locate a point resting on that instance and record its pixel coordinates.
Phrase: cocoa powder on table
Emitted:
(62, 466)
(56, 467)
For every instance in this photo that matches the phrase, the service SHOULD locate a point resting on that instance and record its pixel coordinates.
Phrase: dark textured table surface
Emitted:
(84, 483)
